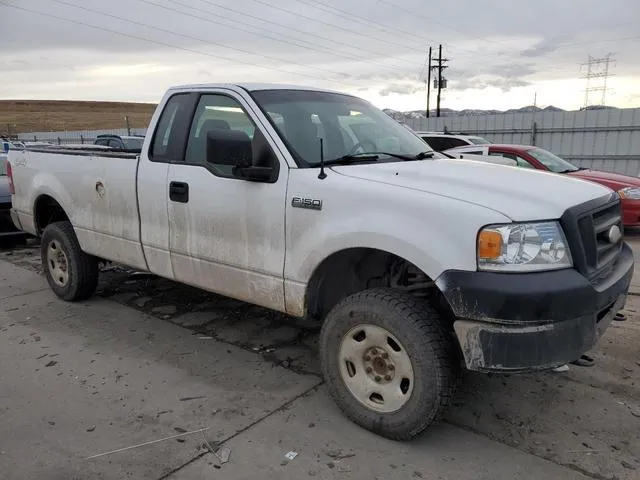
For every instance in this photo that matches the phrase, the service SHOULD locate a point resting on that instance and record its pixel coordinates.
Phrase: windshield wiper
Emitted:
(371, 156)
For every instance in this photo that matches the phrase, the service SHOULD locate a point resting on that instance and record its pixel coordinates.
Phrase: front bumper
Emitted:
(532, 321)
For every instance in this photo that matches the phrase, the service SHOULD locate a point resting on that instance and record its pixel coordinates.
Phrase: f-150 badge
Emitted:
(310, 203)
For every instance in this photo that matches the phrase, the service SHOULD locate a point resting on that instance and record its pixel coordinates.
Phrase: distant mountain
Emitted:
(448, 112)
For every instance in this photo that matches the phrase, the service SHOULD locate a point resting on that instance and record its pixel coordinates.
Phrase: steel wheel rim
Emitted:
(376, 368)
(57, 263)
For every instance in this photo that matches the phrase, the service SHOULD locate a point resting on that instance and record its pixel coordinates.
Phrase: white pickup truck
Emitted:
(317, 204)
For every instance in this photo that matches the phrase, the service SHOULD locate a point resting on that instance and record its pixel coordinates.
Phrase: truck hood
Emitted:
(520, 194)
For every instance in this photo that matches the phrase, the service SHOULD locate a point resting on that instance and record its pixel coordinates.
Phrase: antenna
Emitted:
(322, 175)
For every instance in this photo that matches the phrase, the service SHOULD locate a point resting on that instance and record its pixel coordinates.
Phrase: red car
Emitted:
(527, 156)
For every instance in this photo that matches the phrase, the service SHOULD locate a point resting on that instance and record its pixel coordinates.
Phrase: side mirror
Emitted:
(234, 148)
(228, 147)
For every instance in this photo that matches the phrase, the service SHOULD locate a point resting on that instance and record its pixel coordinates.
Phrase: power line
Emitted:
(359, 19)
(157, 42)
(191, 37)
(385, 27)
(444, 25)
(560, 46)
(496, 42)
(262, 34)
(289, 28)
(338, 27)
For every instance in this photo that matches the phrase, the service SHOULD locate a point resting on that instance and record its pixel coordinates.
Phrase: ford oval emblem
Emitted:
(614, 234)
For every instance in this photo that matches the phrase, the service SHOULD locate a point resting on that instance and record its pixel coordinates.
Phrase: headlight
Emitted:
(632, 193)
(523, 247)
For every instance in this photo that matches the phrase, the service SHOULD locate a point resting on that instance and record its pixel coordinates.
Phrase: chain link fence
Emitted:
(76, 137)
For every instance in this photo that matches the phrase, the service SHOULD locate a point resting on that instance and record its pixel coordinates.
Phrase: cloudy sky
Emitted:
(501, 52)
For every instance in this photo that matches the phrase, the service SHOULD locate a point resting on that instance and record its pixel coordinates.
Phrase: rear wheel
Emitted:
(71, 273)
(389, 364)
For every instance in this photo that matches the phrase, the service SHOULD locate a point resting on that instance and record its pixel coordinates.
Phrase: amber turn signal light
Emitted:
(489, 244)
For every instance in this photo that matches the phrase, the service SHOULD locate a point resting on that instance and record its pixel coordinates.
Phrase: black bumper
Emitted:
(533, 321)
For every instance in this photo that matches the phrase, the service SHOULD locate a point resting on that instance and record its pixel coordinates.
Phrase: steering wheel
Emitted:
(362, 144)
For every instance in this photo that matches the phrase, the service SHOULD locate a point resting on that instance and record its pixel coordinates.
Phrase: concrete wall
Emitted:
(600, 139)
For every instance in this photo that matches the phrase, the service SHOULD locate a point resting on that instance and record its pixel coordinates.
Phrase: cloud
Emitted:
(504, 76)
(546, 46)
(356, 46)
(399, 89)
(512, 70)
(483, 82)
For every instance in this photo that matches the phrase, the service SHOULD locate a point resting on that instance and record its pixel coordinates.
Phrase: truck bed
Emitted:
(84, 150)
(95, 186)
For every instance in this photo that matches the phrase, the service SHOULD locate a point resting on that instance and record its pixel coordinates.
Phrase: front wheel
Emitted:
(71, 273)
(389, 363)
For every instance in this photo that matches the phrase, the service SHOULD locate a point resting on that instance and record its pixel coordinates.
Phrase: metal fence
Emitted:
(606, 139)
(76, 136)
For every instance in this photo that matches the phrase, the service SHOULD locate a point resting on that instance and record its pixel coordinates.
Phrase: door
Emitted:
(226, 234)
(166, 146)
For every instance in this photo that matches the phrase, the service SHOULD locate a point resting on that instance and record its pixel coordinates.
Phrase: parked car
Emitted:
(129, 143)
(441, 141)
(481, 158)
(7, 227)
(412, 263)
(527, 156)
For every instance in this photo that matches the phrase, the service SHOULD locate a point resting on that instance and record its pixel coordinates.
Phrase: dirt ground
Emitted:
(20, 116)
(587, 419)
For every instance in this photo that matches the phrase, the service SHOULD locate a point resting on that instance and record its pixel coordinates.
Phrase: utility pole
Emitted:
(442, 82)
(594, 72)
(428, 82)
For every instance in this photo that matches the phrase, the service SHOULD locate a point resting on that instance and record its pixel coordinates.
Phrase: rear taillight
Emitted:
(12, 189)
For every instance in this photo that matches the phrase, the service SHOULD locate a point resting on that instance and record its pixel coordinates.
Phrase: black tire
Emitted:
(82, 268)
(418, 328)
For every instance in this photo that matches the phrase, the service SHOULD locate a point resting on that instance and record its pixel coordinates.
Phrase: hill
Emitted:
(20, 116)
(448, 112)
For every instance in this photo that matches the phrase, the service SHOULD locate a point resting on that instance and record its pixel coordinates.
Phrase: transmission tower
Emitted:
(598, 73)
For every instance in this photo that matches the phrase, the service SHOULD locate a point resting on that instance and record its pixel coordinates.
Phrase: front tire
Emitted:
(389, 363)
(71, 273)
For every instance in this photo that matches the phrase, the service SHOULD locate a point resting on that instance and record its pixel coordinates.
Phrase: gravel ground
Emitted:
(587, 419)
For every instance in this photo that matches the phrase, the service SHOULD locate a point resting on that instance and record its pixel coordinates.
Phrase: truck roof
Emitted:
(253, 87)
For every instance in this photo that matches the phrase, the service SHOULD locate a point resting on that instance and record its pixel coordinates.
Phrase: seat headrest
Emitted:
(214, 123)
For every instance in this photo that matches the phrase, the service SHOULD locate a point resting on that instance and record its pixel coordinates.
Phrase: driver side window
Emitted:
(215, 111)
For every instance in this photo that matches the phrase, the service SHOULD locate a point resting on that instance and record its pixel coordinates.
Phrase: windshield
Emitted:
(478, 141)
(347, 125)
(133, 143)
(3, 167)
(551, 161)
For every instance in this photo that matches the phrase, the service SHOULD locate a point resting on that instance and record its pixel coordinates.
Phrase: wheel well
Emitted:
(353, 270)
(47, 211)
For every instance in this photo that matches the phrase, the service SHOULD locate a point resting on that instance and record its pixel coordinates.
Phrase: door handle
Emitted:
(179, 192)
